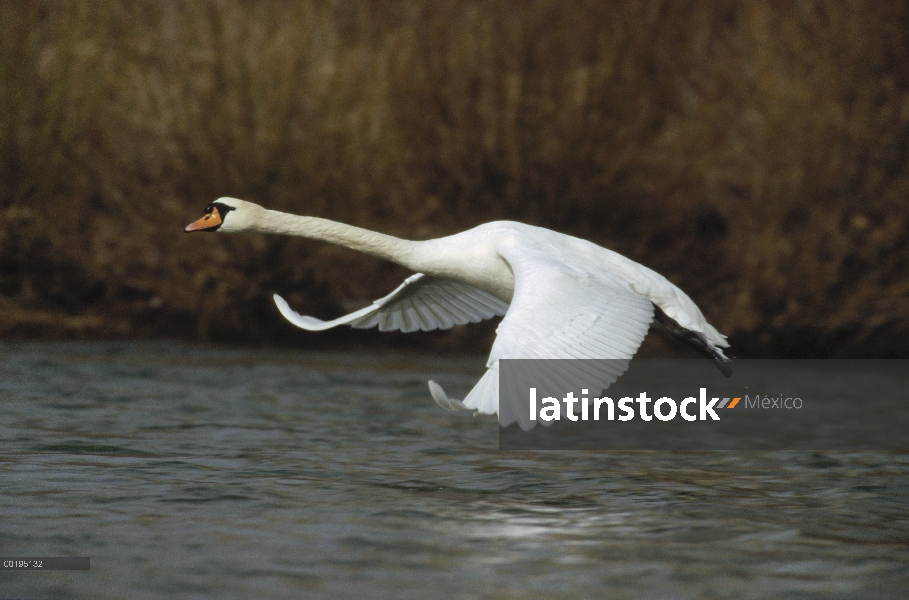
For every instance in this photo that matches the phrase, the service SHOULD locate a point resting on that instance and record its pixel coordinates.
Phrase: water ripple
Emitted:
(192, 472)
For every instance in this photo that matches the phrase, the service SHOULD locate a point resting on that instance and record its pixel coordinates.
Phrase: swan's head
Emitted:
(227, 214)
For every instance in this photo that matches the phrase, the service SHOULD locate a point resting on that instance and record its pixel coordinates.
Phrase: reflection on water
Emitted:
(190, 472)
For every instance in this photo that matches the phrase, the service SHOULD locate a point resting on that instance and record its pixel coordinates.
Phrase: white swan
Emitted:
(562, 297)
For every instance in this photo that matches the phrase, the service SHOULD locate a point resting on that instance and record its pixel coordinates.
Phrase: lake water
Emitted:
(198, 472)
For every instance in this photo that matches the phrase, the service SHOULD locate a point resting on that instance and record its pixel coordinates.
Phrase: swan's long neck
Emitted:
(403, 252)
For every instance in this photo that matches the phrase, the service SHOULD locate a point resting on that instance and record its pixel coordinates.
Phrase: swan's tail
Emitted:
(697, 340)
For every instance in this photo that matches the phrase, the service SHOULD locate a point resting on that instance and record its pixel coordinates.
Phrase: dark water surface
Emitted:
(193, 472)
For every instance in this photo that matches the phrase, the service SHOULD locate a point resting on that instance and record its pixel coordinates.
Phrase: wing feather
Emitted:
(559, 311)
(443, 318)
(421, 302)
(450, 301)
(427, 318)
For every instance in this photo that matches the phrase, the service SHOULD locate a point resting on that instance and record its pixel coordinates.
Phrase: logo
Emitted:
(664, 409)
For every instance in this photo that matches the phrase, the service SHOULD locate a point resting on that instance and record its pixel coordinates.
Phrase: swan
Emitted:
(560, 296)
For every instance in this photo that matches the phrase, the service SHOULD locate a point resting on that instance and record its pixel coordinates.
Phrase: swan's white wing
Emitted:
(422, 302)
(561, 312)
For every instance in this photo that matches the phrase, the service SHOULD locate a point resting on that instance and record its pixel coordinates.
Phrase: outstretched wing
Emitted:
(560, 312)
(422, 302)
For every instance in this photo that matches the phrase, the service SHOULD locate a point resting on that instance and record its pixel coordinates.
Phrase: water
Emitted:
(192, 472)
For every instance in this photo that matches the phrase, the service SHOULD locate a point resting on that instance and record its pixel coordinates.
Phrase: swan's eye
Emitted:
(222, 209)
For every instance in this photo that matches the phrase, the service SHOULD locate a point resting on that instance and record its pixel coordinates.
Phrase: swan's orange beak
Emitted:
(207, 222)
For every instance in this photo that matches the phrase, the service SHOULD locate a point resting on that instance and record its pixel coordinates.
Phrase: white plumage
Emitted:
(421, 303)
(561, 297)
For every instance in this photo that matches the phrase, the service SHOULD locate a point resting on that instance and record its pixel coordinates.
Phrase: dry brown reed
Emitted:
(755, 153)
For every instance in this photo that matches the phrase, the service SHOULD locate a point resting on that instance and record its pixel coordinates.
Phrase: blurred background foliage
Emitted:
(755, 153)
